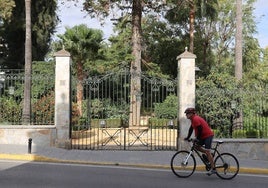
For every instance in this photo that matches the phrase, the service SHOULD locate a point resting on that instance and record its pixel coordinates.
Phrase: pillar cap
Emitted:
(186, 55)
(62, 53)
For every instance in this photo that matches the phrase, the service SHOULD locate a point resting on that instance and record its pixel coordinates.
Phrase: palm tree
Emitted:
(83, 43)
(26, 114)
(191, 29)
(238, 41)
(238, 50)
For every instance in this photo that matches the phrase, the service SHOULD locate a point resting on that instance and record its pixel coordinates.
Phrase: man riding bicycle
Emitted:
(203, 134)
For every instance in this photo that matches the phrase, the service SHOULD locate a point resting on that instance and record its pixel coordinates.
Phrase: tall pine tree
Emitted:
(44, 21)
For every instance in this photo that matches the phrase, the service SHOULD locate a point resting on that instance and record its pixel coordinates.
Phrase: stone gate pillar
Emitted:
(62, 99)
(186, 91)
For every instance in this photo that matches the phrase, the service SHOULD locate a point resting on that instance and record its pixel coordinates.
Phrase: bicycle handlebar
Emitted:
(193, 140)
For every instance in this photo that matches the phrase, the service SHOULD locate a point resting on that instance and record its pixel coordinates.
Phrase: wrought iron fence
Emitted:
(235, 114)
(108, 97)
(126, 138)
(232, 114)
(105, 119)
(11, 98)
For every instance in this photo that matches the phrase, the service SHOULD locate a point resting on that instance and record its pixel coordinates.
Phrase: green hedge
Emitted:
(255, 122)
(254, 133)
(160, 122)
(96, 123)
(239, 133)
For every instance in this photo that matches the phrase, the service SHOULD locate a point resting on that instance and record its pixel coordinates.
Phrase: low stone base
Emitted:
(18, 134)
(64, 144)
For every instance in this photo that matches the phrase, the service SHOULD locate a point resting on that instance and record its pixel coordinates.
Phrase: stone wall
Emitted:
(18, 134)
(45, 136)
(256, 149)
(246, 148)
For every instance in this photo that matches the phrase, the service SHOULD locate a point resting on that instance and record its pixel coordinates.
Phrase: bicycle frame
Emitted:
(199, 153)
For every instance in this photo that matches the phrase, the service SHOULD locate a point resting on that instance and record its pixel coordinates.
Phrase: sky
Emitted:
(71, 16)
(261, 14)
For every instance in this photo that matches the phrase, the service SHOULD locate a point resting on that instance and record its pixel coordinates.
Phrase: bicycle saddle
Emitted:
(219, 141)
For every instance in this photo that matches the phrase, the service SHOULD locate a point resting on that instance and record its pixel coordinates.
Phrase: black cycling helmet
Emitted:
(190, 110)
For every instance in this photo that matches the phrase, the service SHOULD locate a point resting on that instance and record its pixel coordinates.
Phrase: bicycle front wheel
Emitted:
(183, 164)
(227, 166)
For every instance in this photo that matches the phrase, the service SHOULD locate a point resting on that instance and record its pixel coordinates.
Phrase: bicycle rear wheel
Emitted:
(183, 164)
(227, 166)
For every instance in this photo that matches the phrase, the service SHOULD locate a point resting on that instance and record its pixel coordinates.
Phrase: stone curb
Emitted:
(39, 158)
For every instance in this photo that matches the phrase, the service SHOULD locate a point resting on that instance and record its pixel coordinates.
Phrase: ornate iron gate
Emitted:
(101, 119)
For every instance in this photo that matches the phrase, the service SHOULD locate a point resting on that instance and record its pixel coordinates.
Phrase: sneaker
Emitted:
(212, 171)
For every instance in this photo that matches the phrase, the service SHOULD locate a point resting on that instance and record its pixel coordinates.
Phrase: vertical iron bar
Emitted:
(124, 137)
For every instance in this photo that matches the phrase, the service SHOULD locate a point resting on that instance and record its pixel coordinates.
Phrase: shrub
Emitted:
(43, 109)
(239, 133)
(10, 111)
(109, 123)
(114, 123)
(253, 133)
(264, 134)
(167, 109)
(157, 122)
(255, 122)
(216, 133)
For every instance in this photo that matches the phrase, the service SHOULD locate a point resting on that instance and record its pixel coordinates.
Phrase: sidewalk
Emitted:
(150, 159)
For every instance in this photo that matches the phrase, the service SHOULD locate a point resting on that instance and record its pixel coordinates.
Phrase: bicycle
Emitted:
(183, 163)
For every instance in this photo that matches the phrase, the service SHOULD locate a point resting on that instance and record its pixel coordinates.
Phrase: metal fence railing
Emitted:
(108, 96)
(235, 114)
(126, 138)
(11, 98)
(232, 114)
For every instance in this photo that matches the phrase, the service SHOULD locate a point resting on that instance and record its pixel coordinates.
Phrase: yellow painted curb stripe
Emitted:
(33, 157)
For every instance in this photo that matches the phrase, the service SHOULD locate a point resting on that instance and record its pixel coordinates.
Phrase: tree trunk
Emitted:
(238, 41)
(205, 49)
(191, 31)
(26, 114)
(79, 95)
(238, 52)
(135, 92)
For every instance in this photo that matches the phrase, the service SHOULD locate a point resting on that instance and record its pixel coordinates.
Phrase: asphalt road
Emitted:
(49, 175)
